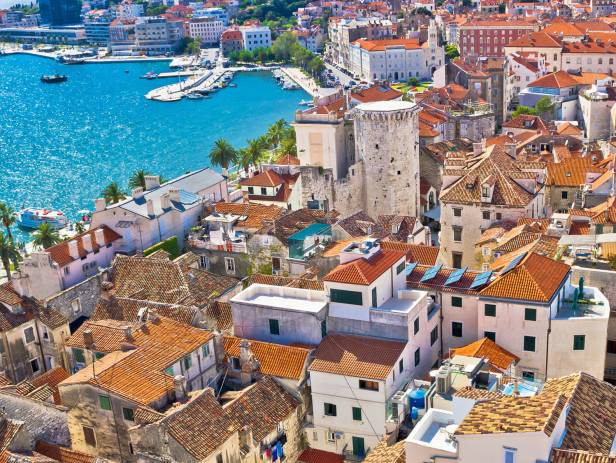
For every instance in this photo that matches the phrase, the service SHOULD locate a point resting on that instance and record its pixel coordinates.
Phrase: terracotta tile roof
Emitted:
(364, 271)
(488, 349)
(422, 254)
(382, 44)
(31, 309)
(51, 378)
(579, 227)
(604, 213)
(275, 359)
(375, 93)
(138, 375)
(545, 245)
(289, 224)
(108, 335)
(337, 107)
(220, 313)
(400, 227)
(591, 422)
(579, 456)
(357, 356)
(567, 128)
(535, 40)
(7, 456)
(506, 192)
(256, 215)
(602, 179)
(469, 392)
(361, 224)
(8, 432)
(526, 121)
(536, 278)
(269, 178)
(438, 282)
(513, 415)
(60, 253)
(4, 380)
(606, 44)
(203, 425)
(276, 280)
(124, 309)
(543, 223)
(570, 172)
(287, 160)
(8, 295)
(319, 456)
(383, 453)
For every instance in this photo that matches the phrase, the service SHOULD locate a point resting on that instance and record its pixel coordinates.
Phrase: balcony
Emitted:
(432, 434)
(218, 240)
(593, 304)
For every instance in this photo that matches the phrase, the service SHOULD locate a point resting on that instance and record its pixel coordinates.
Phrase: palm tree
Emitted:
(251, 154)
(45, 236)
(223, 155)
(7, 217)
(287, 147)
(137, 179)
(9, 253)
(275, 132)
(113, 193)
(80, 228)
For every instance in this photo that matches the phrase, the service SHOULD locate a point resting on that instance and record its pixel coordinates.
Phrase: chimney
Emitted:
(88, 338)
(179, 387)
(510, 149)
(153, 316)
(128, 332)
(73, 250)
(219, 347)
(152, 181)
(106, 289)
(138, 193)
(174, 195)
(100, 204)
(165, 202)
(150, 207)
(477, 149)
(250, 368)
(99, 237)
(86, 241)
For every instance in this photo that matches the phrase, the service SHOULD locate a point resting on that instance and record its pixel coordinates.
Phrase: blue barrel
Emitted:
(414, 413)
(417, 398)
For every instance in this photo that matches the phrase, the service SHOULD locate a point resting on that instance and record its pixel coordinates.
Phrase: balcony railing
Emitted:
(227, 246)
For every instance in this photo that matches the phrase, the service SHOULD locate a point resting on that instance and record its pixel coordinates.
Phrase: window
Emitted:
(417, 356)
(204, 262)
(491, 335)
(374, 298)
(219, 458)
(579, 341)
(274, 327)
(230, 264)
(235, 363)
(128, 413)
(88, 436)
(99, 355)
(434, 335)
(323, 328)
(169, 371)
(499, 216)
(528, 375)
(400, 268)
(79, 357)
(485, 215)
(346, 297)
(456, 301)
(104, 402)
(611, 346)
(45, 334)
(368, 385)
(206, 350)
(530, 314)
(187, 362)
(67, 270)
(29, 335)
(329, 409)
(489, 310)
(509, 455)
(485, 191)
(457, 212)
(76, 306)
(356, 414)
(263, 191)
(529, 343)
(34, 365)
(331, 436)
(456, 329)
(564, 195)
(401, 365)
(457, 234)
(416, 326)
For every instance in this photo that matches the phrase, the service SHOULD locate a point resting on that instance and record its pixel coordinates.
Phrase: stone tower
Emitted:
(387, 144)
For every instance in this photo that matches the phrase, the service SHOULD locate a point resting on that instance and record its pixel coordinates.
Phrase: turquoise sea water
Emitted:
(60, 144)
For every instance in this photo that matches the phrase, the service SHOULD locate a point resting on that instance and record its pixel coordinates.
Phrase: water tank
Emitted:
(417, 399)
(414, 413)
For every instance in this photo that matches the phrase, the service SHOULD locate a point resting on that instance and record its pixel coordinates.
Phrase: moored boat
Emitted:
(53, 79)
(32, 218)
(149, 75)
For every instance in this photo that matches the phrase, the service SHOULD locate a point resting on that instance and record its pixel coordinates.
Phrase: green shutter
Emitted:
(456, 329)
(374, 298)
(456, 301)
(104, 402)
(346, 297)
(99, 355)
(356, 413)
(274, 326)
(579, 342)
(530, 314)
(400, 268)
(187, 362)
(529, 343)
(491, 335)
(79, 357)
(490, 310)
(128, 413)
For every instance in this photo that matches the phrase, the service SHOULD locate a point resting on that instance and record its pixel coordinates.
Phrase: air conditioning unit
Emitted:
(339, 435)
(443, 380)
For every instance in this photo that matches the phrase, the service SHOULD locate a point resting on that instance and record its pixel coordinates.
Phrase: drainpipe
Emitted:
(441, 318)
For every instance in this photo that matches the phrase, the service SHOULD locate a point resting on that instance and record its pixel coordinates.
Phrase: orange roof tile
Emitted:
(319, 456)
(375, 93)
(62, 454)
(256, 215)
(364, 271)
(535, 39)
(488, 349)
(269, 178)
(570, 172)
(381, 45)
(60, 253)
(558, 79)
(357, 356)
(422, 254)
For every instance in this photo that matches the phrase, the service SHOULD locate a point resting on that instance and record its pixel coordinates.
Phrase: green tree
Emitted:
(7, 217)
(524, 110)
(275, 132)
(223, 155)
(194, 46)
(45, 236)
(137, 179)
(80, 227)
(251, 154)
(413, 81)
(113, 193)
(155, 10)
(423, 10)
(544, 106)
(9, 254)
(451, 51)
(284, 46)
(287, 147)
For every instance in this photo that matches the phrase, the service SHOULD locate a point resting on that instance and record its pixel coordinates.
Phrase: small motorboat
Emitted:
(149, 75)
(53, 79)
(73, 61)
(232, 85)
(306, 103)
(195, 96)
(33, 218)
